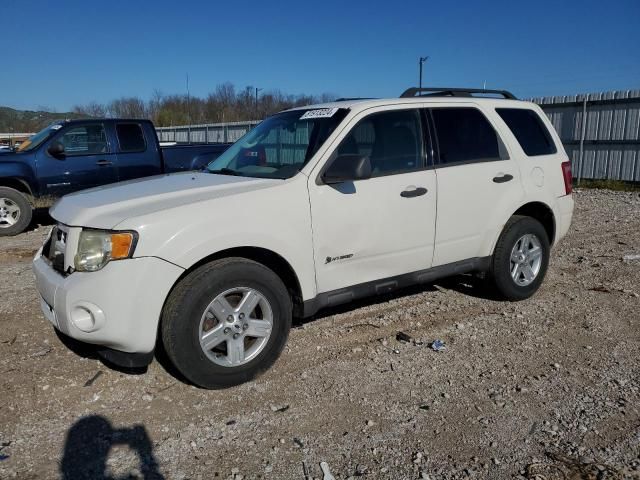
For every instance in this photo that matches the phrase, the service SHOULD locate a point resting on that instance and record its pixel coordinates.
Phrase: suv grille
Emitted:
(55, 248)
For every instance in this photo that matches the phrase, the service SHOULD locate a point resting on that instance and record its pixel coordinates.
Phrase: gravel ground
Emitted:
(547, 388)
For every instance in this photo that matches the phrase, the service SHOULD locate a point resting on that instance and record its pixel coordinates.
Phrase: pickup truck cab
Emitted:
(315, 207)
(75, 155)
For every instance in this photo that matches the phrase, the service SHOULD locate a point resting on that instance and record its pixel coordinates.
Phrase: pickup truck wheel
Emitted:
(15, 212)
(226, 322)
(521, 258)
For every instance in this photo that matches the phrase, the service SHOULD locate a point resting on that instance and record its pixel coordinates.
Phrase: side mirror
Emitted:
(56, 149)
(347, 168)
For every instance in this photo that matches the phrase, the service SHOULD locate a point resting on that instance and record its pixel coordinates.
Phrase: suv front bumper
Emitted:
(117, 307)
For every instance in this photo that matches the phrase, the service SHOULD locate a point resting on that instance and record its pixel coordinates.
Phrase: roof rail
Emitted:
(453, 92)
(344, 99)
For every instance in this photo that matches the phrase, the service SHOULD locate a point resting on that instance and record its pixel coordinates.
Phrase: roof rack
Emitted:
(344, 99)
(453, 92)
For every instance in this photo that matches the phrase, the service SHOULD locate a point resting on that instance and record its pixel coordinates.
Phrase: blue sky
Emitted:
(62, 53)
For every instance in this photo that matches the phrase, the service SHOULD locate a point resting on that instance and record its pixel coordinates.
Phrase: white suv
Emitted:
(314, 207)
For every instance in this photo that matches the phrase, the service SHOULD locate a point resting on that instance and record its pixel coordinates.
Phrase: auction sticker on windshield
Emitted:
(319, 113)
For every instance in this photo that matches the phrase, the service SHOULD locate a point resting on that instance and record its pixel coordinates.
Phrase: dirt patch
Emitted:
(549, 386)
(16, 253)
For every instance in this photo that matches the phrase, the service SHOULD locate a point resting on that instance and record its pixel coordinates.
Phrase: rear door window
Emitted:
(465, 135)
(130, 137)
(526, 126)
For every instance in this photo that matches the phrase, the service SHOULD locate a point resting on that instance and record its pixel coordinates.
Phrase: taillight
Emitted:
(566, 173)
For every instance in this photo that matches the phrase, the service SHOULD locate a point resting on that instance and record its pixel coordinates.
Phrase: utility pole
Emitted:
(421, 62)
(257, 90)
(188, 101)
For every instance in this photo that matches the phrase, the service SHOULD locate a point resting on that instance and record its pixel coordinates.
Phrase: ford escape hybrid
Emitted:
(314, 207)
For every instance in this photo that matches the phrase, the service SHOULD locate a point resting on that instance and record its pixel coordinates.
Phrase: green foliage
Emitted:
(27, 121)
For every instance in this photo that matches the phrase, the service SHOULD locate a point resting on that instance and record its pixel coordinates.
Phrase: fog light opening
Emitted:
(87, 317)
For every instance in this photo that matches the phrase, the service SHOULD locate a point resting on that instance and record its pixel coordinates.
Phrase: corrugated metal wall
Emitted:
(206, 133)
(607, 146)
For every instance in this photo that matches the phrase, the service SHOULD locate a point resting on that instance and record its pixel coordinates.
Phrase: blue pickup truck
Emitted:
(74, 155)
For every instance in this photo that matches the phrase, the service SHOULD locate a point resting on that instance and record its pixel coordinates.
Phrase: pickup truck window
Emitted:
(36, 140)
(85, 140)
(130, 137)
(279, 146)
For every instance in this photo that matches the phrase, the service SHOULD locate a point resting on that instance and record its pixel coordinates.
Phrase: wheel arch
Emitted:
(19, 185)
(270, 259)
(542, 213)
(536, 209)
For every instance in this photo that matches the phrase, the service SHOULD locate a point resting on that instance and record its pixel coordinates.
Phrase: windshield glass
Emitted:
(36, 140)
(279, 146)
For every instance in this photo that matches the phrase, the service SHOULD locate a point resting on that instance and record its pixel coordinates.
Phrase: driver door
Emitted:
(384, 226)
(87, 161)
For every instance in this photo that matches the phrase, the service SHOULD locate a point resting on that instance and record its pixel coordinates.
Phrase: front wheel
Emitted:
(520, 259)
(15, 212)
(226, 322)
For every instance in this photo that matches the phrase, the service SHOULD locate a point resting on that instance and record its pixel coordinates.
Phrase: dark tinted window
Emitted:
(529, 130)
(130, 137)
(85, 140)
(392, 141)
(464, 134)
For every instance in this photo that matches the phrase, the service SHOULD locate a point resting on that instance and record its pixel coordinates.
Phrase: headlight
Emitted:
(96, 248)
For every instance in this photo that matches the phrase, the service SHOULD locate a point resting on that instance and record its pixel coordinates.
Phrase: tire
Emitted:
(15, 212)
(517, 284)
(190, 317)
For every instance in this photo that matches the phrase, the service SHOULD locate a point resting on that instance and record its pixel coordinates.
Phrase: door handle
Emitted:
(416, 192)
(502, 179)
(104, 163)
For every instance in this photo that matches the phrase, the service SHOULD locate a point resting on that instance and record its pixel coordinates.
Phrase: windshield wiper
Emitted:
(226, 171)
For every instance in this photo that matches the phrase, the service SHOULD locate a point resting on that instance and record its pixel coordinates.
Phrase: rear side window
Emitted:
(526, 126)
(465, 135)
(130, 137)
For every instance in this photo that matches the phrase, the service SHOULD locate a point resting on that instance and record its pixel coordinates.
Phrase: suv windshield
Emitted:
(35, 140)
(279, 146)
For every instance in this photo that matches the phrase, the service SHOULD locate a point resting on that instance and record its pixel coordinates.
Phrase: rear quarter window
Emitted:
(531, 133)
(130, 137)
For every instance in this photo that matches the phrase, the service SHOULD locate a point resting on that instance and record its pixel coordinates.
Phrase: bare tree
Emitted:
(224, 104)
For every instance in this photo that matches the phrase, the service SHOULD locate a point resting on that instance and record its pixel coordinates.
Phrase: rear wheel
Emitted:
(226, 322)
(15, 212)
(521, 258)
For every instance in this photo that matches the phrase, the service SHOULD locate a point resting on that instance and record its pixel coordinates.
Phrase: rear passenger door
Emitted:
(137, 154)
(479, 183)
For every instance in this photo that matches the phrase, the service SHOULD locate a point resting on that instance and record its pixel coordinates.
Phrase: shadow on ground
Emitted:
(473, 285)
(89, 442)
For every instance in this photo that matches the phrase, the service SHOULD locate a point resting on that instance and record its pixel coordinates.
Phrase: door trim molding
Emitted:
(386, 285)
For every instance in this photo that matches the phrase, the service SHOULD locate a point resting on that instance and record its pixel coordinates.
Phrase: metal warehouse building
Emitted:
(607, 144)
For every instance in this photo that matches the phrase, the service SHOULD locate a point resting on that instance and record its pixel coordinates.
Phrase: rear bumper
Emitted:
(117, 307)
(563, 214)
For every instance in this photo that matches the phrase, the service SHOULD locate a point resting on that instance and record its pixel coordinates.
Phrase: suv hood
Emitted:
(107, 206)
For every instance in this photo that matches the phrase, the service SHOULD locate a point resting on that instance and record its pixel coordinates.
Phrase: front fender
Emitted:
(275, 219)
(12, 173)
